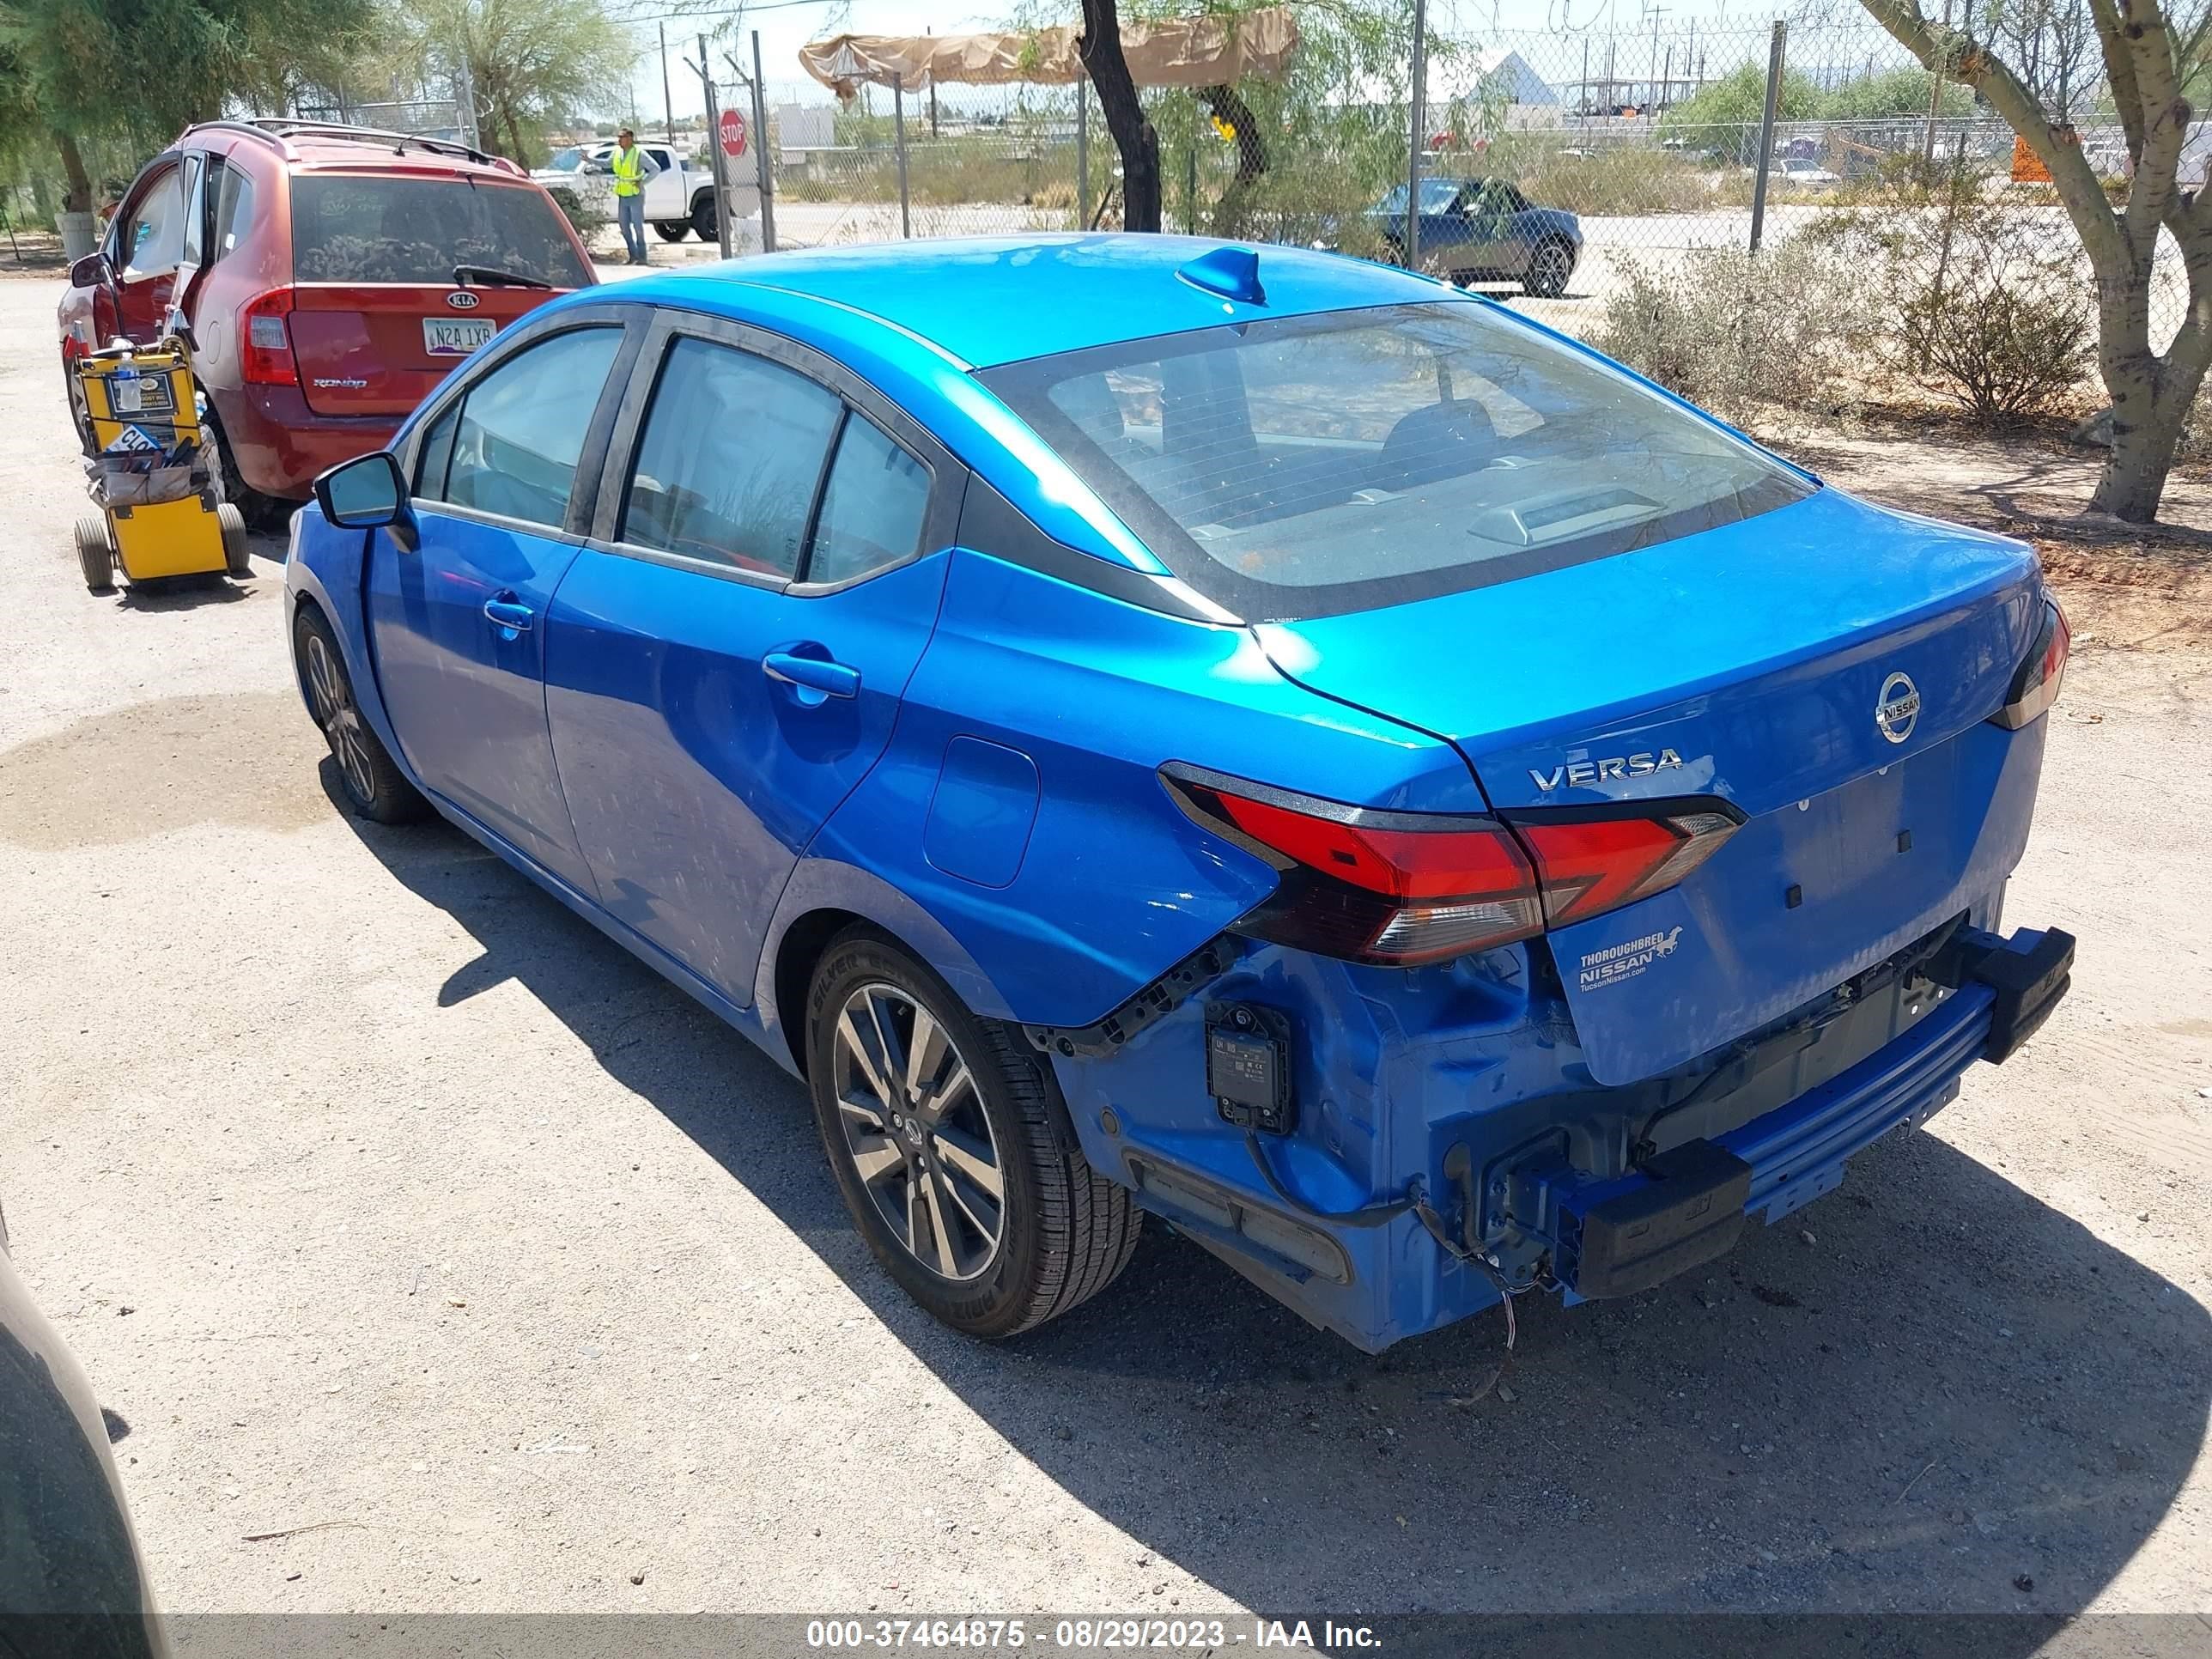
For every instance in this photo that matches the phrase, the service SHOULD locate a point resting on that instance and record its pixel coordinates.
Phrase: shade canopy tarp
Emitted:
(1191, 51)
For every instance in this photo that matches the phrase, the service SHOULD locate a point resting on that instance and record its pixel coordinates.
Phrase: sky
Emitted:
(788, 25)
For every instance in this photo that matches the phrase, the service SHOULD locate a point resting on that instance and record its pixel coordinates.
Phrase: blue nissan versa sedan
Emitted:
(1263, 739)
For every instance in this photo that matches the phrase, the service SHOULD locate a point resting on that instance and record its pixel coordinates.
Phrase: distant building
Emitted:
(1503, 74)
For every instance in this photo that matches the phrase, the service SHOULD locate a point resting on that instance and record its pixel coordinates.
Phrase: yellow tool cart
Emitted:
(159, 515)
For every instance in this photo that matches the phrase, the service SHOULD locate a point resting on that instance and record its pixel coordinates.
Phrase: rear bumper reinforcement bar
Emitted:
(1687, 1206)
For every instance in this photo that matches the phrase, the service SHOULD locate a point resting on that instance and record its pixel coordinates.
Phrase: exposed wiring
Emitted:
(1474, 1259)
(1640, 1146)
(1374, 1215)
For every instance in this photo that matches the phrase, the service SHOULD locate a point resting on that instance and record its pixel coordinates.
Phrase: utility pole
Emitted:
(1420, 112)
(667, 98)
(1657, 12)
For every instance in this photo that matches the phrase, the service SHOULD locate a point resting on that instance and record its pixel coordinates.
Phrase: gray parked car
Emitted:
(1485, 230)
(72, 1585)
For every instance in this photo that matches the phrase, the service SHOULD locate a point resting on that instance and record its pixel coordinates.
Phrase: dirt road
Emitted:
(382, 1198)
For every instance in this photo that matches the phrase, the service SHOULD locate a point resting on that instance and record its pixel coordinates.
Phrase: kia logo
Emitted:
(464, 301)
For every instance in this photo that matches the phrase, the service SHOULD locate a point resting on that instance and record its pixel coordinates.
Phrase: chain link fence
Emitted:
(1869, 184)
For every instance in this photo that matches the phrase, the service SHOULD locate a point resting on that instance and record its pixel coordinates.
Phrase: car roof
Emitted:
(986, 300)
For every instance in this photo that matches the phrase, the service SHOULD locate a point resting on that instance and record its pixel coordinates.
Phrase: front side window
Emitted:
(726, 466)
(520, 430)
(233, 211)
(191, 253)
(355, 227)
(153, 239)
(1309, 466)
(1437, 197)
(437, 454)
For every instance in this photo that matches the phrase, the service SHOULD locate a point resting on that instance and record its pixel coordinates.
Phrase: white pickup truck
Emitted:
(677, 198)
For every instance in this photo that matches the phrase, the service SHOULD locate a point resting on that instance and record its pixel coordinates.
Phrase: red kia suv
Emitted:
(325, 278)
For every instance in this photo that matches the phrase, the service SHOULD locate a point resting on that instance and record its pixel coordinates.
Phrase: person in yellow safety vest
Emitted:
(632, 168)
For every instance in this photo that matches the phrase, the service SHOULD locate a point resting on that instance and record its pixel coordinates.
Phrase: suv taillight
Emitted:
(1405, 888)
(264, 344)
(2035, 687)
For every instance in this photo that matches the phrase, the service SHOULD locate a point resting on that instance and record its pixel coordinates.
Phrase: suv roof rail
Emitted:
(281, 128)
(251, 129)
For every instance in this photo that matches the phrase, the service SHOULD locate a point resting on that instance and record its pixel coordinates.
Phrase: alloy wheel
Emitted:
(340, 720)
(916, 1133)
(1552, 269)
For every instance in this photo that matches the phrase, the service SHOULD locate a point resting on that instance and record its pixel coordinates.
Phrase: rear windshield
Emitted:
(1304, 467)
(350, 228)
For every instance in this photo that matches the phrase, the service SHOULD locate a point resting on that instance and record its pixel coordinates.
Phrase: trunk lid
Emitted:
(381, 347)
(1826, 668)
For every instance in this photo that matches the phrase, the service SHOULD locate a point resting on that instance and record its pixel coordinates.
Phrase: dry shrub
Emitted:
(1747, 336)
(2005, 332)
(1981, 302)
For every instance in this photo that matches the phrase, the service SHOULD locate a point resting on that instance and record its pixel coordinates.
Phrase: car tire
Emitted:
(260, 512)
(95, 554)
(373, 785)
(672, 230)
(1549, 267)
(916, 1169)
(237, 558)
(702, 218)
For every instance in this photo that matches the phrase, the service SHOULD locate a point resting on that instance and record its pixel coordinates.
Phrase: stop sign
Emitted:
(734, 133)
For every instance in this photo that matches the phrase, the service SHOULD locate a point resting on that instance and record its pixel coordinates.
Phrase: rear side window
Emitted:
(1305, 466)
(872, 507)
(726, 467)
(521, 428)
(351, 228)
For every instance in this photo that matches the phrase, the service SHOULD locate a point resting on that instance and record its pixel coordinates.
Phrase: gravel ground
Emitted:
(386, 1201)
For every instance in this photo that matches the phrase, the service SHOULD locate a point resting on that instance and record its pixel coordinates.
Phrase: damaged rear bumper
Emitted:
(1531, 1211)
(1687, 1206)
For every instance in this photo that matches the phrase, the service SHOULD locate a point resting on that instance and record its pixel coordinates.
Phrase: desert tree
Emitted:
(2152, 54)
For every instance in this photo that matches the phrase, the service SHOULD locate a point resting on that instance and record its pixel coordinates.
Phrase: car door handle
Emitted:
(831, 679)
(509, 614)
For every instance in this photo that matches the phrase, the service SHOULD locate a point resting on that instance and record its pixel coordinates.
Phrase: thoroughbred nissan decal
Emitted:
(1619, 962)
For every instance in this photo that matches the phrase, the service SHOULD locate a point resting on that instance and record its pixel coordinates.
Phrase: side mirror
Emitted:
(366, 493)
(91, 271)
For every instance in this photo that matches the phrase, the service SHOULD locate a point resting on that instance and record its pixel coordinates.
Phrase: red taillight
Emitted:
(1589, 866)
(1403, 888)
(265, 341)
(2035, 687)
(1384, 887)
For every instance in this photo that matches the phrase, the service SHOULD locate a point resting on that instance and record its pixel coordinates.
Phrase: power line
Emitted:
(725, 11)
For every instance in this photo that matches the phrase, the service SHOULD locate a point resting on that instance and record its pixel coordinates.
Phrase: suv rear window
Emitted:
(357, 228)
(1304, 466)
